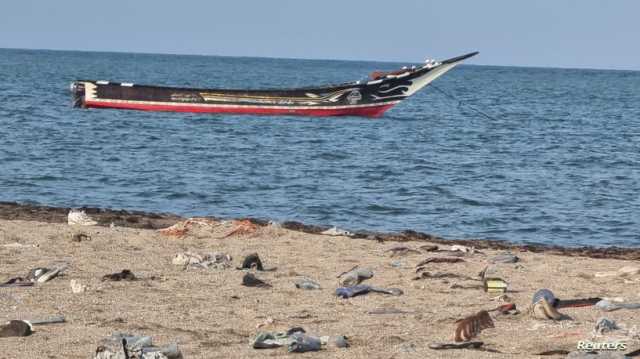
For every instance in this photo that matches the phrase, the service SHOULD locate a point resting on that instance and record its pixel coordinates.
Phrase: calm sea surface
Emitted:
(558, 163)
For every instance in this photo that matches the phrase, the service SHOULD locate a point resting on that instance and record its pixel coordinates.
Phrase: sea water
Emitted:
(557, 159)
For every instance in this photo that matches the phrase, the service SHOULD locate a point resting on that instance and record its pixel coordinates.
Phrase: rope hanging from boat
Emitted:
(462, 103)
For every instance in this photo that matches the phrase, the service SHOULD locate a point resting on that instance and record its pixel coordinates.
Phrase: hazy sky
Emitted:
(556, 33)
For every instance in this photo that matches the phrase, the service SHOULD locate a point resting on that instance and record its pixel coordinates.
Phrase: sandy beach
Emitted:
(211, 315)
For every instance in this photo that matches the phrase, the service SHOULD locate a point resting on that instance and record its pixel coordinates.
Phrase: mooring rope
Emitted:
(462, 103)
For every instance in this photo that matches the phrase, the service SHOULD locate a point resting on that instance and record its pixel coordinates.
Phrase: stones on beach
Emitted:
(124, 275)
(306, 283)
(355, 276)
(16, 328)
(80, 218)
(250, 280)
(77, 287)
(216, 260)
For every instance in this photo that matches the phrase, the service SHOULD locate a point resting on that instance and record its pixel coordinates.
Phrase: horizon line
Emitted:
(310, 59)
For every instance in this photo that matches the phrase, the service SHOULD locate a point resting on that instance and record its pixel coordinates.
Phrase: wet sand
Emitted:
(210, 315)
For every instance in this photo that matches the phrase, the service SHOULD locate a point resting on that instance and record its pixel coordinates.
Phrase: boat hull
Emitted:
(369, 98)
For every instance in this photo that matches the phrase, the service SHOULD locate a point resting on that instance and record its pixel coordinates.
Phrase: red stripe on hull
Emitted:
(371, 111)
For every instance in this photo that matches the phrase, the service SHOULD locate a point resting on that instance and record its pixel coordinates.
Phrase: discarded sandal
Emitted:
(250, 280)
(471, 326)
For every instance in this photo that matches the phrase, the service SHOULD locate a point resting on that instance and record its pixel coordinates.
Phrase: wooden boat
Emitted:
(361, 98)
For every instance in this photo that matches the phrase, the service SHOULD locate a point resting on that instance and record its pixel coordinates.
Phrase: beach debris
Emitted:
(242, 228)
(267, 322)
(307, 283)
(469, 327)
(36, 275)
(215, 260)
(19, 245)
(125, 275)
(626, 271)
(553, 352)
(252, 261)
(396, 264)
(494, 285)
(250, 280)
(503, 298)
(127, 346)
(335, 231)
(465, 345)
(604, 325)
(504, 258)
(16, 328)
(349, 292)
(182, 228)
(269, 340)
(53, 320)
(338, 341)
(76, 287)
(461, 248)
(608, 306)
(355, 276)
(80, 218)
(438, 275)
(80, 237)
(429, 248)
(544, 302)
(302, 343)
(440, 260)
(401, 251)
(506, 309)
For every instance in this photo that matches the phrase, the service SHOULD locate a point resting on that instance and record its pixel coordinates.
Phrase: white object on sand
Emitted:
(335, 231)
(76, 287)
(77, 217)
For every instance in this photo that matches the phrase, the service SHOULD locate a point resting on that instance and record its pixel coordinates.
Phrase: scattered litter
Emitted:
(215, 260)
(267, 340)
(76, 287)
(429, 248)
(306, 283)
(250, 280)
(544, 305)
(127, 346)
(16, 282)
(182, 228)
(396, 264)
(495, 285)
(471, 326)
(80, 237)
(610, 306)
(335, 231)
(242, 228)
(440, 260)
(116, 277)
(339, 341)
(506, 309)
(78, 217)
(252, 261)
(438, 275)
(604, 325)
(401, 251)
(504, 258)
(467, 345)
(267, 322)
(36, 275)
(503, 298)
(16, 328)
(355, 276)
(19, 245)
(553, 352)
(349, 292)
(463, 249)
(302, 343)
(53, 320)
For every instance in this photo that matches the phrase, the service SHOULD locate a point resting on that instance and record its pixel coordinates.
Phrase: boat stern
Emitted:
(78, 92)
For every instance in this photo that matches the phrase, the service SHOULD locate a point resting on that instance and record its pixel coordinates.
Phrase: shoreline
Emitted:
(157, 220)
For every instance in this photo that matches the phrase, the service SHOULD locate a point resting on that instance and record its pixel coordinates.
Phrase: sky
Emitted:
(544, 33)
